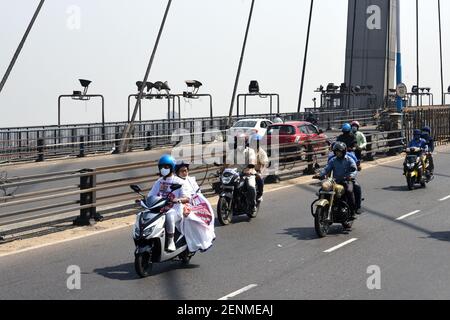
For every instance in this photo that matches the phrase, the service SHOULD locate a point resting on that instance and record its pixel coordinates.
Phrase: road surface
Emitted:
(276, 256)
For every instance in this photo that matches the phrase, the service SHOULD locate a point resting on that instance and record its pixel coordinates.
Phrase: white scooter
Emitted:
(150, 235)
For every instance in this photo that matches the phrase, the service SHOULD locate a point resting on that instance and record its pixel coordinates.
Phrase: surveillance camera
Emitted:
(85, 83)
(149, 86)
(193, 84)
(140, 85)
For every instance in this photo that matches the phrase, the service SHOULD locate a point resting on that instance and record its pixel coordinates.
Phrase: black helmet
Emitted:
(181, 165)
(427, 129)
(417, 133)
(340, 147)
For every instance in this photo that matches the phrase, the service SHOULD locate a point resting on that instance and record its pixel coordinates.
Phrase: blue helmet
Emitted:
(167, 160)
(257, 137)
(347, 128)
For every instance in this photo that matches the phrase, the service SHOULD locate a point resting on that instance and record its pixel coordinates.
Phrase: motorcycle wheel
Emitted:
(322, 228)
(254, 215)
(347, 225)
(410, 182)
(423, 184)
(143, 265)
(224, 213)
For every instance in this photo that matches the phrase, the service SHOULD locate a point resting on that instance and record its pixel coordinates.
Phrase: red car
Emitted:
(297, 133)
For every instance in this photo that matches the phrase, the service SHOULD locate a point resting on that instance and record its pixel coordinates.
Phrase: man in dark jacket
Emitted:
(348, 137)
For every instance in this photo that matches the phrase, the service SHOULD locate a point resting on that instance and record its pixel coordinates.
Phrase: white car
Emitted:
(250, 127)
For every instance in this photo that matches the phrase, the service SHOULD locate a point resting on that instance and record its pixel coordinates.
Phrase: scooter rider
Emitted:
(262, 164)
(357, 186)
(198, 222)
(161, 188)
(246, 161)
(361, 141)
(344, 171)
(348, 137)
(426, 135)
(418, 142)
(278, 119)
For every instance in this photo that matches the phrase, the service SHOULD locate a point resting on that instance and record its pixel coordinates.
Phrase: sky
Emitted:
(110, 42)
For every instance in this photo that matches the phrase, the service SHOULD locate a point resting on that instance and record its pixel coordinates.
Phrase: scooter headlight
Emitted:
(227, 179)
(410, 165)
(149, 231)
(327, 186)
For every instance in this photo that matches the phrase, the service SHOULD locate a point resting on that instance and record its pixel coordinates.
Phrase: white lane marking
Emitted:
(444, 199)
(341, 245)
(408, 215)
(236, 293)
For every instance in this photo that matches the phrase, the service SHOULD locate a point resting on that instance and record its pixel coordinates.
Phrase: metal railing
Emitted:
(85, 194)
(39, 143)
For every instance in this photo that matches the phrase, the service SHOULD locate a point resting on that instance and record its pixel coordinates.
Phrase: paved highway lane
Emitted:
(276, 256)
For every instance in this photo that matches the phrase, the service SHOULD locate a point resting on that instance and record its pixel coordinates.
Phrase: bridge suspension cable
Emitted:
(306, 56)
(440, 50)
(417, 51)
(21, 44)
(129, 127)
(236, 83)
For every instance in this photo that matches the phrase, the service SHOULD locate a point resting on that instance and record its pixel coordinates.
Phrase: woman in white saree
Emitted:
(198, 222)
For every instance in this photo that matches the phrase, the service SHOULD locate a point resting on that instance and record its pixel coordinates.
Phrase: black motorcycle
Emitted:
(331, 207)
(234, 197)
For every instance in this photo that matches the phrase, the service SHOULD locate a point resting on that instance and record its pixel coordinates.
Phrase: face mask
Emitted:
(165, 172)
(355, 130)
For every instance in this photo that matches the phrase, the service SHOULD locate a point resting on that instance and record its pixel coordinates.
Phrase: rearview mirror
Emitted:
(136, 188)
(175, 187)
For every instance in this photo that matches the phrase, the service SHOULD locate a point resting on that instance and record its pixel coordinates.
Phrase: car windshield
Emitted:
(283, 130)
(245, 124)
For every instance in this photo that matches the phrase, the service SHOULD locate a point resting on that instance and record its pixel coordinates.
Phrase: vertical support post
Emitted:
(148, 141)
(369, 155)
(40, 149)
(310, 158)
(88, 181)
(82, 150)
(117, 141)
